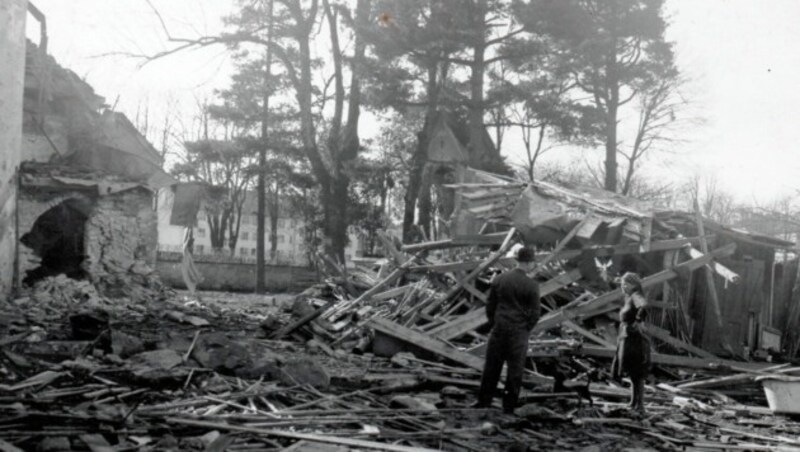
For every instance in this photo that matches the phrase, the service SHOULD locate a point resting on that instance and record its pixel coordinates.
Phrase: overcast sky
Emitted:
(741, 56)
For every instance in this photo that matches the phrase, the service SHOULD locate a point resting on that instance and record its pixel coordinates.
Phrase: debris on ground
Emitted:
(386, 357)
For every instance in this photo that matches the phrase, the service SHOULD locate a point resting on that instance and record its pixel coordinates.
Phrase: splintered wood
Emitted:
(389, 356)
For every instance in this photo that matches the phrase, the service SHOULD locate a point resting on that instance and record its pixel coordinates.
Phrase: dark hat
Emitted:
(525, 254)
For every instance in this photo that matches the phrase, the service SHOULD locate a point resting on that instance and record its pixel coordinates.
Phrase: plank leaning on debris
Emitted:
(477, 317)
(553, 319)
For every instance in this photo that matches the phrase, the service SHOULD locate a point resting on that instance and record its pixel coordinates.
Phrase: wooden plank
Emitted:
(477, 317)
(712, 288)
(664, 336)
(393, 293)
(426, 343)
(302, 321)
(723, 271)
(425, 246)
(439, 347)
(601, 302)
(360, 443)
(390, 279)
(734, 379)
(599, 251)
(588, 334)
(388, 245)
(483, 266)
(560, 245)
(470, 287)
(668, 360)
(495, 238)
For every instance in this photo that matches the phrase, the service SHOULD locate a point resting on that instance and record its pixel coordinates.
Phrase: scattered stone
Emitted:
(125, 345)
(412, 403)
(247, 360)
(54, 443)
(534, 411)
(453, 392)
(271, 324)
(488, 428)
(301, 308)
(304, 371)
(88, 325)
(157, 359)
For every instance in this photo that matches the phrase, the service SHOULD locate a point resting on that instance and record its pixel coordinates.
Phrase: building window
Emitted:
(242, 251)
(198, 249)
(245, 235)
(201, 232)
(252, 251)
(281, 222)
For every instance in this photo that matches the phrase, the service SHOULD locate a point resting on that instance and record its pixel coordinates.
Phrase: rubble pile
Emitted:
(388, 357)
(216, 387)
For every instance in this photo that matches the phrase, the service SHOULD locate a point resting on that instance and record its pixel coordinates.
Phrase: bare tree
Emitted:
(660, 115)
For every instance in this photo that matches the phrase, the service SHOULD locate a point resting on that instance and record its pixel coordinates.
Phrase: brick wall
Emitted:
(119, 226)
(232, 274)
(12, 59)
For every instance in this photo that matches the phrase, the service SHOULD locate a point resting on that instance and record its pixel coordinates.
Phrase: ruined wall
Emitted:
(12, 56)
(232, 274)
(122, 226)
(119, 227)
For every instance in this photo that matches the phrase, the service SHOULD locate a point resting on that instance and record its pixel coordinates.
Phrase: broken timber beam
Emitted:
(732, 379)
(599, 251)
(664, 336)
(711, 287)
(358, 443)
(494, 238)
(436, 346)
(477, 317)
(667, 360)
(723, 271)
(560, 246)
(555, 318)
(483, 266)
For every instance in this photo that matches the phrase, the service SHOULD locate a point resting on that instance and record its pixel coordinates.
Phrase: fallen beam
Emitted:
(360, 443)
(438, 347)
(734, 379)
(664, 336)
(668, 360)
(599, 251)
(477, 317)
(602, 302)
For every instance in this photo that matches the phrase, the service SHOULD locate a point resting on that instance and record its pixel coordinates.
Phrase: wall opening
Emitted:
(58, 238)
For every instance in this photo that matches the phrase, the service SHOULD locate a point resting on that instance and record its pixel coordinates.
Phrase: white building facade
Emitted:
(291, 246)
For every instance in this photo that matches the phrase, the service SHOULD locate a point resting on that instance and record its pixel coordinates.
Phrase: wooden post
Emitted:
(712, 290)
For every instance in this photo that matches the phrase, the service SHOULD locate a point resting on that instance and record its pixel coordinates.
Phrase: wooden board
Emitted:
(477, 317)
(438, 347)
(664, 336)
(599, 304)
(668, 360)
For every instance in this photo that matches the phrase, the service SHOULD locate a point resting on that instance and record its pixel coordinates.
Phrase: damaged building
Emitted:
(12, 54)
(86, 181)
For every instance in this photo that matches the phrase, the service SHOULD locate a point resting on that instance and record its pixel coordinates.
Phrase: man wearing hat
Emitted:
(512, 309)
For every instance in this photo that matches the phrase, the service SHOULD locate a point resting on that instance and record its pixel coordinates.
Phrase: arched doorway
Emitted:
(58, 237)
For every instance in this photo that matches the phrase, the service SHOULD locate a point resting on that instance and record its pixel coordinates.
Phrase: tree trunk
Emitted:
(262, 166)
(612, 105)
(478, 154)
(274, 215)
(420, 157)
(425, 201)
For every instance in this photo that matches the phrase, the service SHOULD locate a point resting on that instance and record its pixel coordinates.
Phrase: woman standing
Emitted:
(633, 346)
(191, 276)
